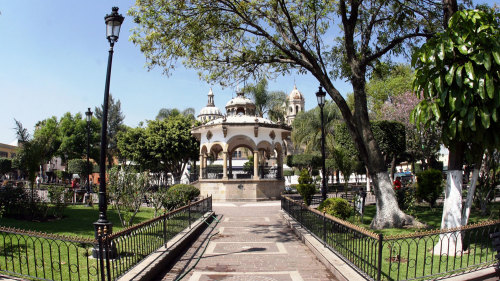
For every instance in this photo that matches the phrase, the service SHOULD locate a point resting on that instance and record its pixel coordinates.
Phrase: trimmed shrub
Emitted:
(305, 187)
(429, 186)
(337, 207)
(179, 195)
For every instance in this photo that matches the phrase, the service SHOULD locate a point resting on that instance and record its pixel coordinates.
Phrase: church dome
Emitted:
(209, 112)
(295, 94)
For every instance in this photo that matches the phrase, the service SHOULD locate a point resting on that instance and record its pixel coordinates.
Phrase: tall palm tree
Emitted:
(164, 113)
(271, 103)
(307, 127)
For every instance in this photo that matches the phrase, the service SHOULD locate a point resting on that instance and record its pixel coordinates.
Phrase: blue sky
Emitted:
(53, 57)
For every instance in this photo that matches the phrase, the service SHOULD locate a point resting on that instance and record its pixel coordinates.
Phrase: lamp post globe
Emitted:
(113, 23)
(320, 95)
(88, 115)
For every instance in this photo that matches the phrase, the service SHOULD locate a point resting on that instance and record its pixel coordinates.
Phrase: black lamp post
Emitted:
(88, 114)
(113, 23)
(320, 95)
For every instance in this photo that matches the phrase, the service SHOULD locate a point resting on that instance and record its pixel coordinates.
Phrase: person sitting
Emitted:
(397, 183)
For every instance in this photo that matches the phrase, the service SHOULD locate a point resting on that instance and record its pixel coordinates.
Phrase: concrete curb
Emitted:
(155, 263)
(332, 261)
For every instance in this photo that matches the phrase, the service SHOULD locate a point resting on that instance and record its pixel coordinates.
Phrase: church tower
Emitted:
(296, 104)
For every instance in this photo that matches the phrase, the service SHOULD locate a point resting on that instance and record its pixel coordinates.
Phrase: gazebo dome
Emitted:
(240, 105)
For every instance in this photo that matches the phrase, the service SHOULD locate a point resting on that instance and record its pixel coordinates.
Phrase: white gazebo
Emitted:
(225, 138)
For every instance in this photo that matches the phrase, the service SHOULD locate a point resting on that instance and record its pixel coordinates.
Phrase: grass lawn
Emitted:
(78, 220)
(431, 217)
(410, 257)
(64, 259)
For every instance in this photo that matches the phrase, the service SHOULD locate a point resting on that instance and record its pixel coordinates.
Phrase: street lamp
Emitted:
(88, 114)
(320, 95)
(113, 22)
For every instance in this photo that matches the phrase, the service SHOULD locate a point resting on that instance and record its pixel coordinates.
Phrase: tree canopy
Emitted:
(163, 145)
(458, 77)
(229, 41)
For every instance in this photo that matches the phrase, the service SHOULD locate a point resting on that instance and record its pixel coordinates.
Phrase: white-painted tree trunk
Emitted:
(451, 243)
(388, 213)
(470, 195)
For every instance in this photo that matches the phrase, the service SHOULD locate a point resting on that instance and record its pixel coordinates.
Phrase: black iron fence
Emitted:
(45, 256)
(424, 255)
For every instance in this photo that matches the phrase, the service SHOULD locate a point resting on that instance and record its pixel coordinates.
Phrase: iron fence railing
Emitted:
(46, 256)
(43, 256)
(418, 256)
(128, 247)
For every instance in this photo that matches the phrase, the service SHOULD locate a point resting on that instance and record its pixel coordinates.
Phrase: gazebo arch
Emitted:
(240, 128)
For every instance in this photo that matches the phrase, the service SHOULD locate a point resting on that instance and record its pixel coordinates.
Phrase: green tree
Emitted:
(458, 76)
(229, 41)
(304, 161)
(115, 125)
(29, 155)
(47, 132)
(164, 113)
(164, 145)
(273, 104)
(307, 126)
(345, 163)
(387, 82)
(5, 166)
(73, 137)
(420, 144)
(248, 166)
(126, 190)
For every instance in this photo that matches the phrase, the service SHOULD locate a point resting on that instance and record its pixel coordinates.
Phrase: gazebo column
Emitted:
(230, 166)
(201, 165)
(280, 166)
(256, 164)
(224, 165)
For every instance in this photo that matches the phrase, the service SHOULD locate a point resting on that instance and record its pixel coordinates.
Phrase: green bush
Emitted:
(305, 187)
(14, 200)
(179, 195)
(337, 207)
(288, 173)
(429, 186)
(59, 198)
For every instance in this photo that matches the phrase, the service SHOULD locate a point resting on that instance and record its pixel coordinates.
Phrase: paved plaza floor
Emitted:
(249, 243)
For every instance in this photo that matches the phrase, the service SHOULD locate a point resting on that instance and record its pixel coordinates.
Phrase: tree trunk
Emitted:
(393, 167)
(388, 212)
(451, 243)
(470, 194)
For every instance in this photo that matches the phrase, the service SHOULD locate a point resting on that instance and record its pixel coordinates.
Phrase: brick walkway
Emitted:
(250, 243)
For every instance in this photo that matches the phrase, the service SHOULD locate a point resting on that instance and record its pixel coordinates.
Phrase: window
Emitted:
(291, 109)
(4, 154)
(296, 109)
